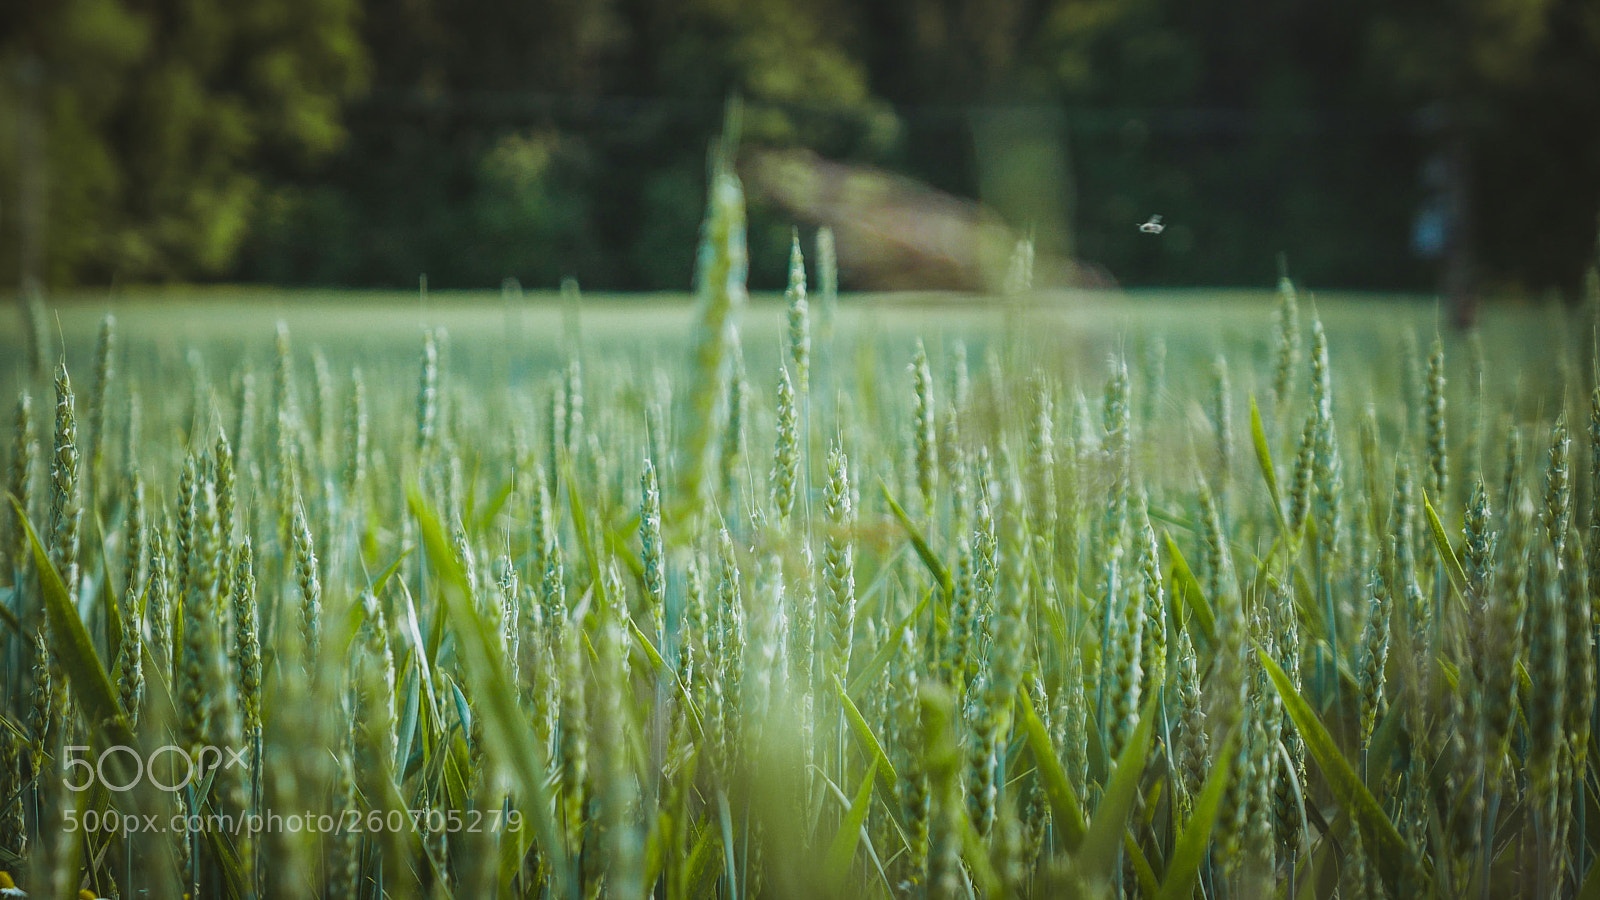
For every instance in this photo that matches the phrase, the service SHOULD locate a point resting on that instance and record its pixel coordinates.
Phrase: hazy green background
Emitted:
(491, 335)
(342, 142)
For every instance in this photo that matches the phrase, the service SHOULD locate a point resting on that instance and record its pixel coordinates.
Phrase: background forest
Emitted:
(336, 142)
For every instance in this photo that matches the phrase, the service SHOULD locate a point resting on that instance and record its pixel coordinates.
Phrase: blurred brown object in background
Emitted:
(895, 233)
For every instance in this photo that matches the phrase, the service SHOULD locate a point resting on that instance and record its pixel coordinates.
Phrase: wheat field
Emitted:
(1041, 595)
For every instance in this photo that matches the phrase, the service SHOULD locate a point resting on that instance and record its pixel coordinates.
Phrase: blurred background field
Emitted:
(535, 331)
(520, 339)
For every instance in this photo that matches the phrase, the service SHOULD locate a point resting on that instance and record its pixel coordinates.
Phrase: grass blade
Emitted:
(158, 703)
(1189, 853)
(617, 546)
(869, 672)
(842, 851)
(580, 527)
(504, 725)
(705, 861)
(863, 732)
(1591, 884)
(496, 503)
(6, 615)
(73, 646)
(929, 558)
(420, 654)
(376, 587)
(1100, 844)
(976, 854)
(1452, 563)
(1064, 806)
(1145, 875)
(1187, 587)
(410, 707)
(667, 672)
(110, 608)
(1382, 841)
(227, 861)
(1258, 435)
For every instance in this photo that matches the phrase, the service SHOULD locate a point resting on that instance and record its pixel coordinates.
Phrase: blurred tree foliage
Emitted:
(564, 137)
(1516, 85)
(326, 141)
(136, 131)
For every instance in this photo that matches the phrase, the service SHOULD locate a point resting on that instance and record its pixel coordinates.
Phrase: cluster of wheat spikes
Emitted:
(956, 635)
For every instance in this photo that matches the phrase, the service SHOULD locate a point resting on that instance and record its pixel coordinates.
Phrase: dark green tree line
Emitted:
(136, 131)
(329, 141)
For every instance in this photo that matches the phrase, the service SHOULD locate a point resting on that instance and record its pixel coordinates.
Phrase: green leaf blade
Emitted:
(929, 558)
(864, 736)
(75, 648)
(504, 726)
(1188, 588)
(1380, 838)
(1452, 563)
(1104, 838)
(868, 673)
(1064, 806)
(1258, 436)
(1189, 853)
(843, 849)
